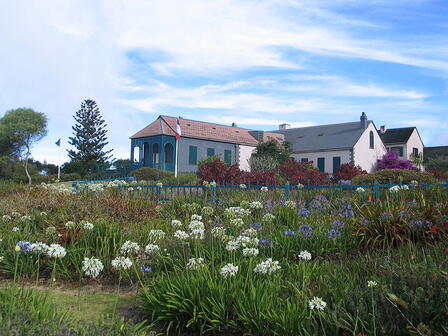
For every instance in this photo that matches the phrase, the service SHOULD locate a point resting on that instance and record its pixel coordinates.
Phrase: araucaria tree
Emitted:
(20, 129)
(89, 136)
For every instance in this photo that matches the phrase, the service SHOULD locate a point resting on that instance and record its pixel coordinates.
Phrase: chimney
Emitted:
(383, 129)
(234, 125)
(284, 126)
(363, 119)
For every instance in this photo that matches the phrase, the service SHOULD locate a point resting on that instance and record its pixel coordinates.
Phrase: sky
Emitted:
(255, 63)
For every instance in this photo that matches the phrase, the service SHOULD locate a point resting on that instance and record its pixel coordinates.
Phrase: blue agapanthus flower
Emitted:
(333, 234)
(265, 242)
(304, 212)
(24, 246)
(256, 226)
(290, 232)
(305, 230)
(419, 224)
(337, 224)
(145, 269)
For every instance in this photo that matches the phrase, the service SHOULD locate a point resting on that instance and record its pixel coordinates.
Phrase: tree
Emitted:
(89, 136)
(20, 129)
(280, 152)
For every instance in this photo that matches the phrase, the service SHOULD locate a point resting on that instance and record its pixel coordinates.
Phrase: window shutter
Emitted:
(210, 152)
(321, 164)
(336, 163)
(193, 155)
(228, 157)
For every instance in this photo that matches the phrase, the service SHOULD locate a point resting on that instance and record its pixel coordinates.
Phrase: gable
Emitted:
(396, 135)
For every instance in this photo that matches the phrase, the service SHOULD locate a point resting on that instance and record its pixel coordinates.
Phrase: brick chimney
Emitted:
(383, 129)
(363, 119)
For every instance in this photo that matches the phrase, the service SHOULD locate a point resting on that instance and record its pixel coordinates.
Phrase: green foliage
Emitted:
(150, 174)
(262, 163)
(280, 152)
(394, 176)
(89, 136)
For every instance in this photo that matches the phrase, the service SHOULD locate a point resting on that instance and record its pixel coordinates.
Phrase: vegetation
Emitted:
(332, 263)
(394, 176)
(280, 152)
(347, 171)
(391, 161)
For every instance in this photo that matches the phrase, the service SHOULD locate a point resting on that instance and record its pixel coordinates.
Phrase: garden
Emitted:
(108, 259)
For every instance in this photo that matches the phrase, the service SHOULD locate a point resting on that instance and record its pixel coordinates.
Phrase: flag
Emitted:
(58, 143)
(178, 130)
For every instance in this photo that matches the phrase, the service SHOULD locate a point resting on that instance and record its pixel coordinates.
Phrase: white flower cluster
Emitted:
(398, 188)
(15, 229)
(196, 217)
(360, 190)
(176, 223)
(16, 214)
(317, 303)
(56, 251)
(155, 235)
(56, 187)
(195, 263)
(70, 225)
(152, 249)
(6, 218)
(95, 187)
(413, 183)
(267, 267)
(197, 228)
(218, 232)
(290, 204)
(249, 233)
(305, 255)
(250, 252)
(241, 241)
(50, 230)
(39, 248)
(268, 217)
(92, 266)
(207, 211)
(237, 222)
(300, 186)
(121, 263)
(256, 205)
(129, 247)
(87, 225)
(181, 235)
(243, 186)
(25, 218)
(264, 189)
(371, 283)
(236, 212)
(229, 270)
(159, 184)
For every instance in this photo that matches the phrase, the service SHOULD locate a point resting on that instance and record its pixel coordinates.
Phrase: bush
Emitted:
(150, 174)
(302, 172)
(394, 176)
(438, 174)
(262, 163)
(347, 171)
(390, 161)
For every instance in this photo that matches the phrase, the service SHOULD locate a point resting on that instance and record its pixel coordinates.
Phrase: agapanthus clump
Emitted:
(256, 226)
(25, 218)
(333, 234)
(196, 218)
(6, 218)
(256, 205)
(371, 283)
(229, 270)
(265, 242)
(236, 212)
(337, 224)
(87, 225)
(155, 235)
(304, 212)
(176, 223)
(290, 204)
(317, 303)
(237, 222)
(56, 251)
(181, 235)
(419, 224)
(195, 263)
(70, 225)
(15, 229)
(39, 248)
(23, 246)
(152, 249)
(15, 214)
(121, 263)
(264, 189)
(51, 230)
(305, 255)
(232, 245)
(268, 217)
(267, 267)
(346, 211)
(218, 232)
(250, 252)
(250, 232)
(92, 267)
(197, 229)
(306, 231)
(129, 248)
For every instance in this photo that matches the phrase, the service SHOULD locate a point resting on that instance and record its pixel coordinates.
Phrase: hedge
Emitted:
(394, 176)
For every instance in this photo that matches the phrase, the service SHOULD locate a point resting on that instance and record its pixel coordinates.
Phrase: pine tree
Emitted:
(89, 136)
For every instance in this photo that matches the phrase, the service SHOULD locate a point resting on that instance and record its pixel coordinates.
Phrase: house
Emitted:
(405, 141)
(155, 145)
(329, 146)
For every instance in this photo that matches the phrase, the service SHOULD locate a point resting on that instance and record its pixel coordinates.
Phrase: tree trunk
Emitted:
(26, 170)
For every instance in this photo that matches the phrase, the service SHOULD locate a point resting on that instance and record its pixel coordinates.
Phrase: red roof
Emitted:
(203, 130)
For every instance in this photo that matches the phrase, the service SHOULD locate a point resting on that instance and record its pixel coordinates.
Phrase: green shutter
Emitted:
(304, 160)
(210, 152)
(336, 163)
(193, 155)
(321, 164)
(228, 157)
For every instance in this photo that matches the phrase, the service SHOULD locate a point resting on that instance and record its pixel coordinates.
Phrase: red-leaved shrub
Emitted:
(347, 171)
(302, 172)
(215, 170)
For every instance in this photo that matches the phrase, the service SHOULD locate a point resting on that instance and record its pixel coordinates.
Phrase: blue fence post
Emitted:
(287, 190)
(446, 188)
(213, 194)
(376, 190)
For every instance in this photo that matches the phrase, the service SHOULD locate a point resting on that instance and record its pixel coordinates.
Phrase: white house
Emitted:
(405, 141)
(329, 146)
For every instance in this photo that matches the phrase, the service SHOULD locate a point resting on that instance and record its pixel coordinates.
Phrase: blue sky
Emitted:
(256, 63)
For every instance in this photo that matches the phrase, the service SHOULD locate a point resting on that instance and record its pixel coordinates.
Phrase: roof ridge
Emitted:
(337, 124)
(211, 123)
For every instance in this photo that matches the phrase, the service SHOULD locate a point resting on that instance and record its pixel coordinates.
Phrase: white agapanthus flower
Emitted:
(25, 218)
(6, 218)
(232, 245)
(245, 241)
(414, 183)
(250, 252)
(43, 213)
(237, 222)
(156, 234)
(229, 270)
(130, 189)
(70, 224)
(267, 267)
(129, 247)
(195, 263)
(249, 233)
(87, 225)
(197, 233)
(121, 263)
(151, 249)
(92, 267)
(305, 255)
(264, 189)
(371, 283)
(196, 217)
(236, 212)
(139, 188)
(16, 214)
(300, 186)
(50, 230)
(39, 248)
(317, 303)
(15, 229)
(243, 186)
(196, 225)
(256, 205)
(207, 211)
(398, 188)
(268, 217)
(360, 190)
(181, 235)
(176, 223)
(2, 258)
(212, 184)
(290, 204)
(218, 232)
(56, 251)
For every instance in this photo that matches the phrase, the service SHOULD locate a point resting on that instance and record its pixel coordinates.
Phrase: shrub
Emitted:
(150, 174)
(348, 171)
(390, 161)
(262, 163)
(394, 176)
(438, 174)
(302, 172)
(212, 170)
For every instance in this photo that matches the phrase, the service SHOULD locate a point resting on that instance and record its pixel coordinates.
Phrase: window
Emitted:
(210, 151)
(155, 153)
(136, 154)
(336, 163)
(169, 151)
(304, 160)
(398, 150)
(193, 155)
(228, 157)
(372, 140)
(321, 164)
(415, 152)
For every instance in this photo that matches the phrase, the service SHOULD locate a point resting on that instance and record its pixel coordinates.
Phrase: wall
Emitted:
(244, 153)
(328, 155)
(202, 145)
(414, 141)
(365, 156)
(142, 161)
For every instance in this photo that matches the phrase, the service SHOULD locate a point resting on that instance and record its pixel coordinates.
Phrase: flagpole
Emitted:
(177, 155)
(59, 164)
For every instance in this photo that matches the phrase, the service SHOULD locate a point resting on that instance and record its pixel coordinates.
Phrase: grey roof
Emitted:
(324, 137)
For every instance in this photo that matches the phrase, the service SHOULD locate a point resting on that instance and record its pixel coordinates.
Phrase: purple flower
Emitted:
(333, 234)
(419, 224)
(265, 242)
(145, 269)
(306, 231)
(24, 246)
(289, 232)
(257, 226)
(337, 224)
(304, 212)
